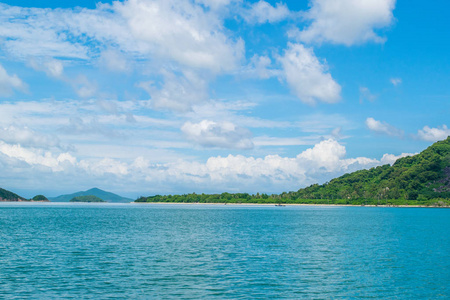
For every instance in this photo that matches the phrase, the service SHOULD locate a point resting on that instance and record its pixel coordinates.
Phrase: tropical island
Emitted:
(87, 198)
(422, 179)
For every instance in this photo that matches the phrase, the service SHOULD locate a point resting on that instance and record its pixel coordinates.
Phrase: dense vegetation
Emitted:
(422, 179)
(87, 198)
(10, 196)
(39, 198)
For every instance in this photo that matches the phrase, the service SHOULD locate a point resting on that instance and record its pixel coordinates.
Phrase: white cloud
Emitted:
(262, 12)
(105, 165)
(383, 128)
(187, 38)
(307, 76)
(27, 137)
(391, 158)
(9, 83)
(180, 31)
(37, 156)
(396, 81)
(274, 172)
(213, 134)
(347, 22)
(434, 134)
(35, 32)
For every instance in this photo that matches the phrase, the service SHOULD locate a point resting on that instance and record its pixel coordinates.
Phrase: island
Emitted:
(40, 198)
(87, 199)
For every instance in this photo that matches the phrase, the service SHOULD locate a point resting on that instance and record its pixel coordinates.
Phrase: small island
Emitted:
(39, 198)
(87, 199)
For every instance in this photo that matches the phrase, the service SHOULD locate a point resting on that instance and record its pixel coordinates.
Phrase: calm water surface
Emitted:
(100, 251)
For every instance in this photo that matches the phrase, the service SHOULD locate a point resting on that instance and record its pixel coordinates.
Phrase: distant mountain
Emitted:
(107, 196)
(10, 196)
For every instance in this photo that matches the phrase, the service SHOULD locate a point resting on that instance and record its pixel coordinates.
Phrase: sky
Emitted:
(145, 97)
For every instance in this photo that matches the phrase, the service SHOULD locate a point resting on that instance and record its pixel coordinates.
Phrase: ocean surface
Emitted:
(146, 251)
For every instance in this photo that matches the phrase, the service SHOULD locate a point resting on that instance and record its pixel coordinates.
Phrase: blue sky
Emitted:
(146, 97)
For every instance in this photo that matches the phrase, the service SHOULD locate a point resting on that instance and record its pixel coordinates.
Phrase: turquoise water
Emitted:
(100, 251)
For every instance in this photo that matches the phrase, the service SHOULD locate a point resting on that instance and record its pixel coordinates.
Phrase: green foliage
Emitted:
(39, 198)
(88, 198)
(422, 179)
(10, 196)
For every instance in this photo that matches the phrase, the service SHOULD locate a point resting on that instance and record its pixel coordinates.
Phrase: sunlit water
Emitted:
(147, 251)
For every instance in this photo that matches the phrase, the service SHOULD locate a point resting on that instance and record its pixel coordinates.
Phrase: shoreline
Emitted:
(219, 204)
(290, 204)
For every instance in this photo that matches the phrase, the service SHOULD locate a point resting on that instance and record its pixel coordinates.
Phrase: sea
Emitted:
(176, 251)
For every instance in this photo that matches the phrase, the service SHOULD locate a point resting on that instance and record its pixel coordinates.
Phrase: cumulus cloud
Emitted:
(316, 164)
(434, 134)
(37, 156)
(181, 31)
(9, 83)
(262, 12)
(307, 76)
(383, 128)
(346, 22)
(218, 134)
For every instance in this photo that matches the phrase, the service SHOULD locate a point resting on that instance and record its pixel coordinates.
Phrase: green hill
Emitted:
(422, 179)
(106, 196)
(10, 196)
(418, 178)
(40, 198)
(87, 198)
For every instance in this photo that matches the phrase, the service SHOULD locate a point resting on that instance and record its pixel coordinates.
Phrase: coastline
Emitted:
(220, 204)
(290, 204)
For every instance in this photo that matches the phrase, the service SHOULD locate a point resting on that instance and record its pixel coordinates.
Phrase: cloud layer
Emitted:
(271, 173)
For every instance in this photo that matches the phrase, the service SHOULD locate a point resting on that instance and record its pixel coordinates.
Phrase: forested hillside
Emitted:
(9, 196)
(422, 179)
